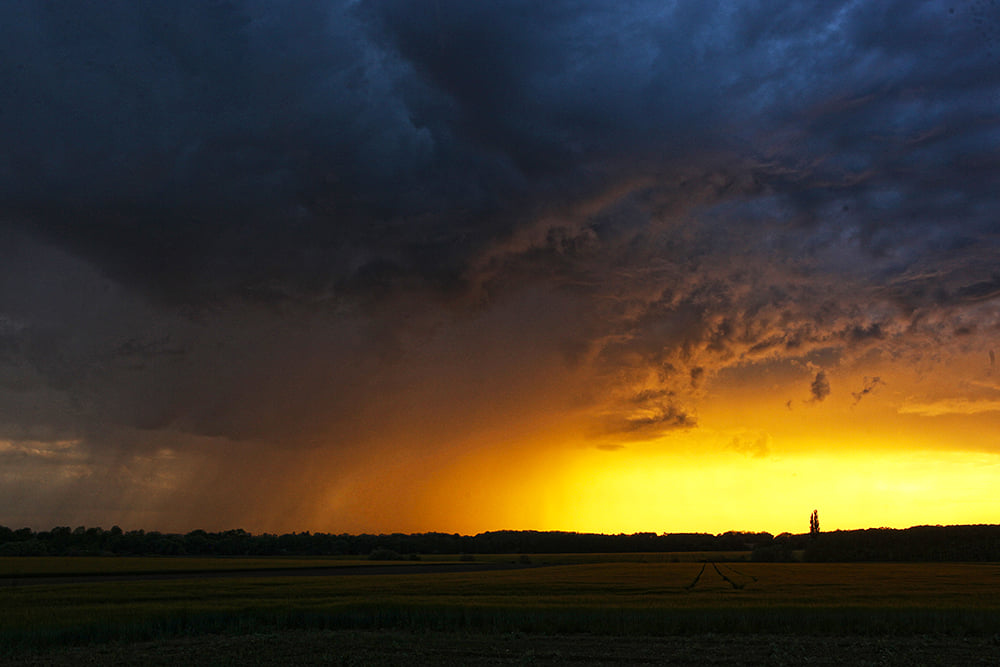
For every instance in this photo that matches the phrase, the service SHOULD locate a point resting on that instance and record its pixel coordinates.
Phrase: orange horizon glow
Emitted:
(680, 487)
(752, 463)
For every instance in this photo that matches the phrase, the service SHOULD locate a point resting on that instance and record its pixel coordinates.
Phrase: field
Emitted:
(653, 604)
(35, 566)
(44, 566)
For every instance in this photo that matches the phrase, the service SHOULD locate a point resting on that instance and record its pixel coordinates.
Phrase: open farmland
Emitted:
(44, 566)
(622, 599)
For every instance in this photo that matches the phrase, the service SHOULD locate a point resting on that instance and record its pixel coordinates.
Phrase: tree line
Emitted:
(920, 543)
(83, 541)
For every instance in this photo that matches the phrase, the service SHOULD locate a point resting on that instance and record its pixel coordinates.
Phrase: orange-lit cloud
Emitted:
(951, 406)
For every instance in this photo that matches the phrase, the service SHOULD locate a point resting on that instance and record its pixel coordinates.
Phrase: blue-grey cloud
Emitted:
(256, 149)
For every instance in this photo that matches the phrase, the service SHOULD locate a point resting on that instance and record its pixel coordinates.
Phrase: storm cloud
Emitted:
(313, 227)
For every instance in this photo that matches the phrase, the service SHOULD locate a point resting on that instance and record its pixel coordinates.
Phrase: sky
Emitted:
(454, 266)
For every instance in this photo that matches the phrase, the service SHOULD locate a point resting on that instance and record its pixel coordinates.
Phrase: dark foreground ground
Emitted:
(350, 647)
(326, 571)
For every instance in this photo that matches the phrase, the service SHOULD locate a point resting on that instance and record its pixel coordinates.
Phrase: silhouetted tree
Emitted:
(814, 524)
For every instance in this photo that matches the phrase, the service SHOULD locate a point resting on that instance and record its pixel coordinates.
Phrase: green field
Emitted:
(596, 598)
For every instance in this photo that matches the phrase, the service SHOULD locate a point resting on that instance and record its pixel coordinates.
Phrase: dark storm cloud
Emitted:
(219, 146)
(277, 222)
(273, 150)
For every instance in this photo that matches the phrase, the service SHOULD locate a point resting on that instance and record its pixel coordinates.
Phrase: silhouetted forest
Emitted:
(63, 541)
(920, 543)
(916, 544)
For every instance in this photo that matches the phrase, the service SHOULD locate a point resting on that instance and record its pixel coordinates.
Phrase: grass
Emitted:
(610, 598)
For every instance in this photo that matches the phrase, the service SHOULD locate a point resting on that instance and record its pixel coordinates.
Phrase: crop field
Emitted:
(45, 566)
(620, 599)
